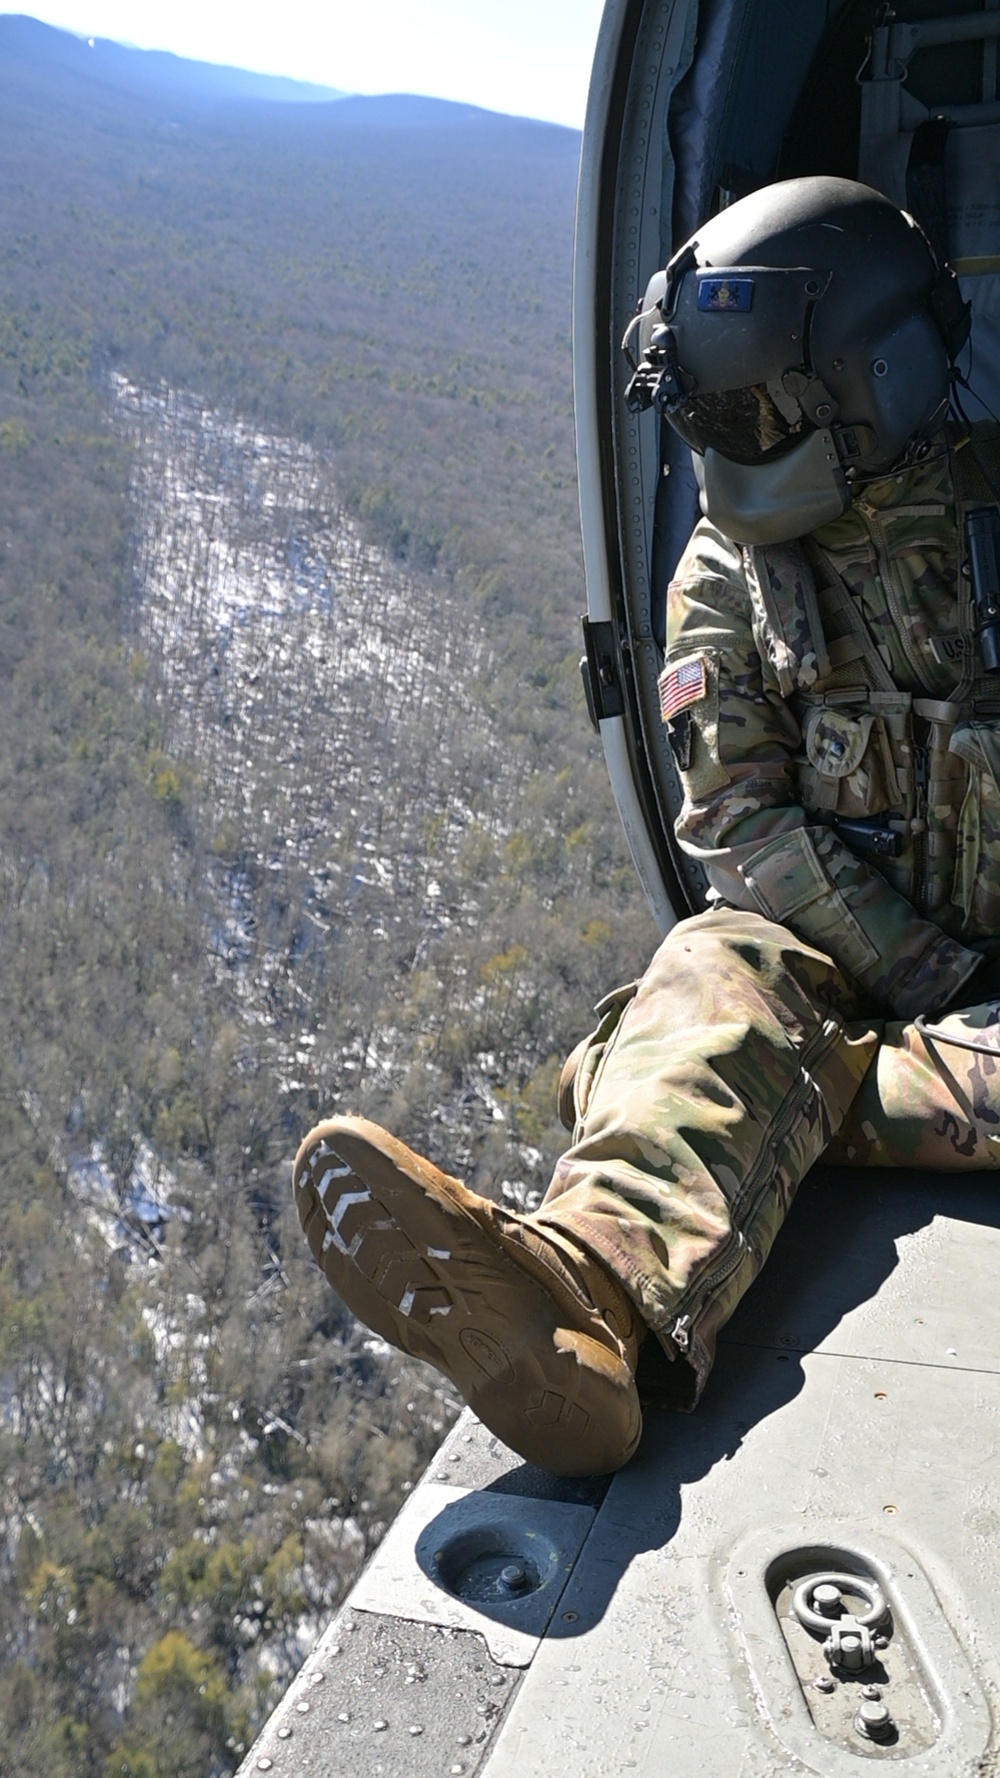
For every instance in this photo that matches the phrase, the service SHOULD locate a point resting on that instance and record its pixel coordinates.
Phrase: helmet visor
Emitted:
(749, 425)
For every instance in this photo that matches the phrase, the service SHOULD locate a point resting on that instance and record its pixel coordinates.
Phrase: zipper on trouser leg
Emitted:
(680, 1331)
(683, 1334)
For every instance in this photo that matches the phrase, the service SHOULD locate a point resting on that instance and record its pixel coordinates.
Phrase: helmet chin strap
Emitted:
(926, 444)
(777, 501)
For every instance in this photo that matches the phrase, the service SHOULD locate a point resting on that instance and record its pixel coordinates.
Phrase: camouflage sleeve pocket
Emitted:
(790, 884)
(845, 768)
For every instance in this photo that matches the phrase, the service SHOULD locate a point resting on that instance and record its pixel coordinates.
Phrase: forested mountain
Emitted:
(299, 811)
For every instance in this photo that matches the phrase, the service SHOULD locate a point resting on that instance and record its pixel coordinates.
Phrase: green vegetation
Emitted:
(236, 892)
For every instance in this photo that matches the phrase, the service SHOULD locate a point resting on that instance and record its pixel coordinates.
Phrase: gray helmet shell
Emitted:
(818, 294)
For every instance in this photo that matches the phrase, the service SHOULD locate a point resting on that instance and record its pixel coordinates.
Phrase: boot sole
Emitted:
(398, 1245)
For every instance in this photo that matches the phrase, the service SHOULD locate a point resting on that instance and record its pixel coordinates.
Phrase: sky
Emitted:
(529, 57)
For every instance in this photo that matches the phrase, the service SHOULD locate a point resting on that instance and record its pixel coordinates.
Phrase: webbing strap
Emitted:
(841, 620)
(782, 588)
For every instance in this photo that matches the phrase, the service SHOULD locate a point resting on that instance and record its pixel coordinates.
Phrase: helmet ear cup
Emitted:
(893, 388)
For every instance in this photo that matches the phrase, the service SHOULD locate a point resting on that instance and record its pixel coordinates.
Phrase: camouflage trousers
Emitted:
(708, 1090)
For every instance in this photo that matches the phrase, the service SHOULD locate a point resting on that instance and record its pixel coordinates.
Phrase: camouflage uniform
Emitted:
(840, 760)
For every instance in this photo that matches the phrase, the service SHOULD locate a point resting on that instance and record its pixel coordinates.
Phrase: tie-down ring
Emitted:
(811, 1619)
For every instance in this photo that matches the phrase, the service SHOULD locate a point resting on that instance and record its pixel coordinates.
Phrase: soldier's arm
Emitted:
(735, 740)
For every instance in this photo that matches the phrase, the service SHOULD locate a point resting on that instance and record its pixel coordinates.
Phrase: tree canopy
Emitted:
(299, 812)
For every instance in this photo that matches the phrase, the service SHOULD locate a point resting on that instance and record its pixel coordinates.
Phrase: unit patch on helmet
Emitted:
(681, 686)
(726, 295)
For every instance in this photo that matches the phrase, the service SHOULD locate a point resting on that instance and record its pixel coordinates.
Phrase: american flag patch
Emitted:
(682, 685)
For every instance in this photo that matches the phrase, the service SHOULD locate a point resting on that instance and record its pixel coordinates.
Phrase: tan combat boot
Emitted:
(537, 1336)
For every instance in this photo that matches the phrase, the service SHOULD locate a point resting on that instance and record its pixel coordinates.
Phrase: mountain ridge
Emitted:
(127, 65)
(44, 50)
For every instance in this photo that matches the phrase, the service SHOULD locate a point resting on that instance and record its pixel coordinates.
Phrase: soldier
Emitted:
(837, 739)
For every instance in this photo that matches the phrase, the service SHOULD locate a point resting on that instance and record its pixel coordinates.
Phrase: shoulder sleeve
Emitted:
(735, 741)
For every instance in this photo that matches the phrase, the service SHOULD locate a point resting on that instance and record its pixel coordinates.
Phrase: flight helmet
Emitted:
(801, 343)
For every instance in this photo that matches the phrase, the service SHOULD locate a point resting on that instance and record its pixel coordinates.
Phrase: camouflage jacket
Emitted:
(838, 750)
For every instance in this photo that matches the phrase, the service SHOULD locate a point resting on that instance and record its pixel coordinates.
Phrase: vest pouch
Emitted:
(846, 769)
(976, 888)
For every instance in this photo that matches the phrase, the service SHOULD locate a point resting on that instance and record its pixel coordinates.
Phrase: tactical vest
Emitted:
(910, 783)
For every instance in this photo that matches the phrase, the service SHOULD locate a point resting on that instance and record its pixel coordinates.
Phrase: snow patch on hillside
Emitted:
(330, 705)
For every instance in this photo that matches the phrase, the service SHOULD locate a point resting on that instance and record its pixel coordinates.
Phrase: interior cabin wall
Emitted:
(729, 117)
(945, 171)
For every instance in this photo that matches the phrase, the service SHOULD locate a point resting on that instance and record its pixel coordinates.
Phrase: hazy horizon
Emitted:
(527, 61)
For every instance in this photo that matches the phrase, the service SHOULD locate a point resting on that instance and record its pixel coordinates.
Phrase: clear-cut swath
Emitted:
(327, 699)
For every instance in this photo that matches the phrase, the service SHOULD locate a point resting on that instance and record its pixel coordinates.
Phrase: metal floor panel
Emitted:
(855, 1403)
(855, 1408)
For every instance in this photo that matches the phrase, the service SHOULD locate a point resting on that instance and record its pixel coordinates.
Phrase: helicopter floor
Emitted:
(852, 1426)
